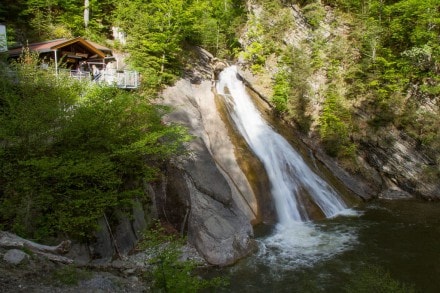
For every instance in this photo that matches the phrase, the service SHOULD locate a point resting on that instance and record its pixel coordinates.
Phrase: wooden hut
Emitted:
(82, 59)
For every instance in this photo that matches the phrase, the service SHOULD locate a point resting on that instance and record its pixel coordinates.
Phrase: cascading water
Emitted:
(295, 240)
(287, 171)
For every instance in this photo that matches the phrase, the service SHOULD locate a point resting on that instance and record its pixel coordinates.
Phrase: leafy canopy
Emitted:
(71, 152)
(159, 30)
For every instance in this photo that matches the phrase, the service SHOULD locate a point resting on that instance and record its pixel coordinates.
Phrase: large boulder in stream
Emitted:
(207, 192)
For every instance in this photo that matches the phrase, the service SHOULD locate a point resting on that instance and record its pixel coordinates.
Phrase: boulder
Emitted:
(15, 256)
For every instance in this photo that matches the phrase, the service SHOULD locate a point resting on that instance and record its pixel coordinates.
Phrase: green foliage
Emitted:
(291, 87)
(40, 20)
(158, 31)
(398, 64)
(255, 52)
(422, 125)
(318, 54)
(314, 13)
(386, 64)
(218, 25)
(420, 57)
(404, 31)
(431, 86)
(376, 279)
(265, 34)
(70, 275)
(281, 92)
(69, 151)
(335, 122)
(170, 273)
(346, 5)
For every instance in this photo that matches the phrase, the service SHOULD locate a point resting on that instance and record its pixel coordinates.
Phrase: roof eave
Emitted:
(83, 42)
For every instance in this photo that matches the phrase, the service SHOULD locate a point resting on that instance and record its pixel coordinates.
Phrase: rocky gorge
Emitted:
(389, 163)
(219, 190)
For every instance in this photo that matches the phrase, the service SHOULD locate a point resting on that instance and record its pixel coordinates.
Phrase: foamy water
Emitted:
(303, 245)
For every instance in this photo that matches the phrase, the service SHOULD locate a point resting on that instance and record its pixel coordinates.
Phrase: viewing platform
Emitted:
(125, 79)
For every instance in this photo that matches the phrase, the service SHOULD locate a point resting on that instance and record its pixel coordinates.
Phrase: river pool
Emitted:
(399, 238)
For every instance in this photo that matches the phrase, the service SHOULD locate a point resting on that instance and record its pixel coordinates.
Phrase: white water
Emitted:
(304, 245)
(288, 173)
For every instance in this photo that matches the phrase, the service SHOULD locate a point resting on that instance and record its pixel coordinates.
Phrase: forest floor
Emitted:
(38, 274)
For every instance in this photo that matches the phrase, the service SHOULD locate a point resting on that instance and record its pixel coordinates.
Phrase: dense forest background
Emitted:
(384, 65)
(379, 61)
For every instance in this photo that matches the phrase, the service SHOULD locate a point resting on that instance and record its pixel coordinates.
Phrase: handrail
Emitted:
(128, 79)
(76, 73)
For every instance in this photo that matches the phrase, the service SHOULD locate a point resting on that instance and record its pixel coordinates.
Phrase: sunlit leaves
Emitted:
(159, 30)
(68, 151)
(335, 123)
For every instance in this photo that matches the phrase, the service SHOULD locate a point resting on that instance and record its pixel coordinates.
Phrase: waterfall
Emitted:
(289, 175)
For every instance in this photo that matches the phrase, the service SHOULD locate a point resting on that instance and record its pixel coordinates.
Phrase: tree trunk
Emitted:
(86, 13)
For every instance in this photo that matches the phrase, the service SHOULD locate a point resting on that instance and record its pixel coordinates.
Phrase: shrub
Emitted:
(375, 279)
(281, 92)
(314, 14)
(170, 273)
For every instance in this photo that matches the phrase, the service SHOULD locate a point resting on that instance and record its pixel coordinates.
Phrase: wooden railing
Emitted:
(127, 79)
(81, 75)
(123, 79)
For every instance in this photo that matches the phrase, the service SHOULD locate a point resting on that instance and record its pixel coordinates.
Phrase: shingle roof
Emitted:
(48, 46)
(100, 47)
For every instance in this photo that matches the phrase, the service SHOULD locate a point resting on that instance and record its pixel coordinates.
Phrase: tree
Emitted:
(157, 30)
(86, 13)
(225, 17)
(334, 126)
(72, 152)
(40, 20)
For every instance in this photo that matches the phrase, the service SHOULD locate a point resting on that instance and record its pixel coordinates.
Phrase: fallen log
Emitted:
(55, 257)
(10, 240)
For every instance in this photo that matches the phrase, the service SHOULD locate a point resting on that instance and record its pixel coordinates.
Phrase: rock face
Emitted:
(115, 237)
(212, 193)
(401, 167)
